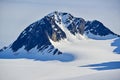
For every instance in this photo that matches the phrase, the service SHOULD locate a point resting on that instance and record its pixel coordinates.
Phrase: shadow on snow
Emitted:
(65, 57)
(105, 66)
(117, 44)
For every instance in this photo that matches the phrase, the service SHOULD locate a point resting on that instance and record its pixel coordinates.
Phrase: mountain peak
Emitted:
(57, 26)
(61, 17)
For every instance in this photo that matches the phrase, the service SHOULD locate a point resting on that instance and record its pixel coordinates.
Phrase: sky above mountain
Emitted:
(16, 15)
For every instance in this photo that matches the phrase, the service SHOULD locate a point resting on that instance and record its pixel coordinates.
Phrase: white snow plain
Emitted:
(92, 60)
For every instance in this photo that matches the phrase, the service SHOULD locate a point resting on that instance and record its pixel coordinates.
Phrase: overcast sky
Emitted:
(16, 15)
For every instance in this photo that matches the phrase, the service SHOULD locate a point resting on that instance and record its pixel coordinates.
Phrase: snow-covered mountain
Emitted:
(96, 30)
(54, 27)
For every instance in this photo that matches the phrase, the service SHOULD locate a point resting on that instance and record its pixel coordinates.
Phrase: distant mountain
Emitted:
(57, 26)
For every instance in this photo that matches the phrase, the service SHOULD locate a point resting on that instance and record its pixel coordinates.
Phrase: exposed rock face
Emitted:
(97, 28)
(77, 26)
(54, 32)
(33, 35)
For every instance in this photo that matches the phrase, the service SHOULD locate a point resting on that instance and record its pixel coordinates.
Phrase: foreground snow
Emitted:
(93, 60)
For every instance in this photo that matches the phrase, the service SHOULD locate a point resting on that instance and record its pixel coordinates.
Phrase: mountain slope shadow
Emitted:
(65, 57)
(105, 66)
(117, 44)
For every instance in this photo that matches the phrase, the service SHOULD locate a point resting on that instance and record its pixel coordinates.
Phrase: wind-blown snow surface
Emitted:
(90, 55)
